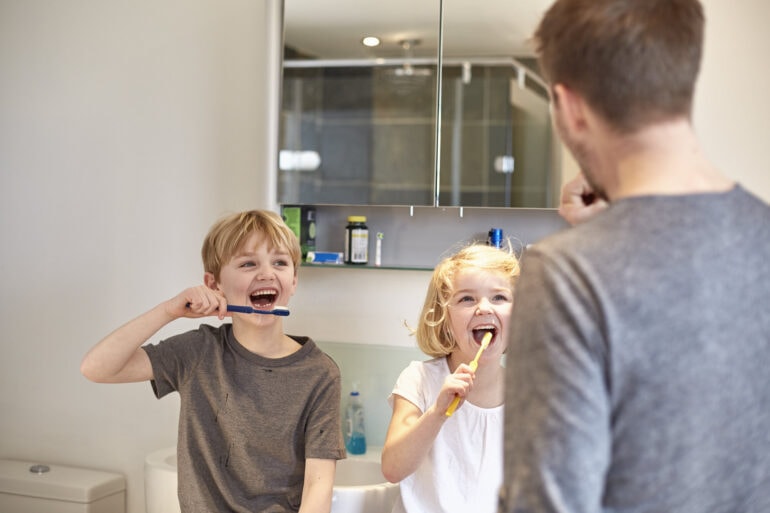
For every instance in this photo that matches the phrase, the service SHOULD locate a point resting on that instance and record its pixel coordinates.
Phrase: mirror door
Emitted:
(359, 124)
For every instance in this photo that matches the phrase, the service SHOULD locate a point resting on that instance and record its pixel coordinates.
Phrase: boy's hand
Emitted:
(200, 301)
(578, 201)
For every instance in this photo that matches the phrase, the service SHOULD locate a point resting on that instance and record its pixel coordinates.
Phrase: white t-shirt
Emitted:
(464, 468)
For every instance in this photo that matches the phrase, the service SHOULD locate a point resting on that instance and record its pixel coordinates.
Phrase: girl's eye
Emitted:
(465, 299)
(501, 297)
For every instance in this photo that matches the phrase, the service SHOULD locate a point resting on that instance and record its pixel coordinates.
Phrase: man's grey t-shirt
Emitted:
(639, 364)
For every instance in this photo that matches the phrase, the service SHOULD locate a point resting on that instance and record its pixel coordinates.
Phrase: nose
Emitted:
(265, 272)
(484, 307)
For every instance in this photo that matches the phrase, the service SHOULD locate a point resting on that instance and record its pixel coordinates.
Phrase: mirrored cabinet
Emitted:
(447, 110)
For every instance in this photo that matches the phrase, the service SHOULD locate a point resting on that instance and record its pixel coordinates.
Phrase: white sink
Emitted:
(359, 486)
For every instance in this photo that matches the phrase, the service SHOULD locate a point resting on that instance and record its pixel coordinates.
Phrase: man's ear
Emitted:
(571, 108)
(210, 281)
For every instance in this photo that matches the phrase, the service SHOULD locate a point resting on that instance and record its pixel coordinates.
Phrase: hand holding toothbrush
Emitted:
(202, 301)
(473, 365)
(198, 301)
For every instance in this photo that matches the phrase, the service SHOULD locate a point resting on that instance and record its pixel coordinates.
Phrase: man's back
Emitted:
(647, 331)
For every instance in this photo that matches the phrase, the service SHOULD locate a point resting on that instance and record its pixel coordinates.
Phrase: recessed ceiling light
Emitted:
(371, 41)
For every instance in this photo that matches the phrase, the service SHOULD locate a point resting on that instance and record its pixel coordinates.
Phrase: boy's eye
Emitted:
(281, 263)
(247, 264)
(501, 297)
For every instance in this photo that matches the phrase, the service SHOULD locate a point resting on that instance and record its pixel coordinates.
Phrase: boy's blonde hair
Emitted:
(228, 234)
(434, 334)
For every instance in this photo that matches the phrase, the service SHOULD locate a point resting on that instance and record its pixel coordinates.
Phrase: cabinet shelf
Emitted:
(369, 267)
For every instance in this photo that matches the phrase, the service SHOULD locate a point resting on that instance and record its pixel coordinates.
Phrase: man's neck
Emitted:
(663, 159)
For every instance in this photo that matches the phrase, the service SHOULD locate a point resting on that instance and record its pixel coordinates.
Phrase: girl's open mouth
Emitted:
(479, 332)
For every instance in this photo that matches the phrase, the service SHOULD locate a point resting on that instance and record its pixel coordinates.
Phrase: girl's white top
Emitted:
(464, 468)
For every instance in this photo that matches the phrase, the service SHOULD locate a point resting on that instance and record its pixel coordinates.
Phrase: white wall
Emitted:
(732, 106)
(126, 128)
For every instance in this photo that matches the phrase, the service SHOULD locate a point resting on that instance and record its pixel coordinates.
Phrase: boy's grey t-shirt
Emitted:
(247, 423)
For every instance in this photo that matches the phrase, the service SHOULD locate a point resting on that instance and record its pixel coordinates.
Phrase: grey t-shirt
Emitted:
(247, 423)
(639, 362)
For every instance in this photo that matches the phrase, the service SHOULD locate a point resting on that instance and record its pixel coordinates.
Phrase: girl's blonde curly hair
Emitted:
(434, 334)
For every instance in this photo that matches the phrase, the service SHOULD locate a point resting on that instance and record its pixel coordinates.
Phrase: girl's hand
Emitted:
(458, 383)
(200, 301)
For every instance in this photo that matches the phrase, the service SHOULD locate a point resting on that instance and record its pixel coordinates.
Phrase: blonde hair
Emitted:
(434, 333)
(226, 236)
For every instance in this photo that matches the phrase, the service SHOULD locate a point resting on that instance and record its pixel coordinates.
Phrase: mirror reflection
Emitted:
(358, 123)
(497, 144)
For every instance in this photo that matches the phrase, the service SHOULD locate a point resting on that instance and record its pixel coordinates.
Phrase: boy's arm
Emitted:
(118, 358)
(317, 490)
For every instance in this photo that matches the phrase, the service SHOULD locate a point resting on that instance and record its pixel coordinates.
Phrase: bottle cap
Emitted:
(356, 219)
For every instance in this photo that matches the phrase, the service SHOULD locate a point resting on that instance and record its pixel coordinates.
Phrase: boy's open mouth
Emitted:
(263, 299)
(480, 331)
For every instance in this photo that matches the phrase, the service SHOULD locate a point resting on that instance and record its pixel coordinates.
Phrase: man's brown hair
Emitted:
(634, 61)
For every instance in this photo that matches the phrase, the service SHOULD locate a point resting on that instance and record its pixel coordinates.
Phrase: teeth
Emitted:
(266, 292)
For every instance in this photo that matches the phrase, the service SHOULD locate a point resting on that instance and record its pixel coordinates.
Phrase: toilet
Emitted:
(29, 487)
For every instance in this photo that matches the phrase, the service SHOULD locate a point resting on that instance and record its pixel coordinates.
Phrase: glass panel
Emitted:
(497, 144)
(371, 127)
(357, 124)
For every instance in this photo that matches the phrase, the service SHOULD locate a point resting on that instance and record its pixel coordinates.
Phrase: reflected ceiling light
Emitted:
(371, 41)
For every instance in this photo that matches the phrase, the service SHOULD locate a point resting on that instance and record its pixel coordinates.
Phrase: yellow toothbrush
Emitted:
(475, 363)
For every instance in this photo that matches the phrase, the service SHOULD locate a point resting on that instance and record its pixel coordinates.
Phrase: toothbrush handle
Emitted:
(241, 309)
(280, 311)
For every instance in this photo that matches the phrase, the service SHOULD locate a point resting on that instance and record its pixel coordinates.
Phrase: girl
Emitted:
(453, 463)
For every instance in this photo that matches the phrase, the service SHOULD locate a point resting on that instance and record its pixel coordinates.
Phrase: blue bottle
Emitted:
(355, 434)
(495, 237)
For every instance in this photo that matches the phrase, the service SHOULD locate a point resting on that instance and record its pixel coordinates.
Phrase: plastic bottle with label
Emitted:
(356, 241)
(355, 433)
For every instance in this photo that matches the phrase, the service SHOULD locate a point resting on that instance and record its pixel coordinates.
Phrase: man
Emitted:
(638, 374)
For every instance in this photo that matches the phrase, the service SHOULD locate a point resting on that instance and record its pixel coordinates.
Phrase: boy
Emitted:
(259, 426)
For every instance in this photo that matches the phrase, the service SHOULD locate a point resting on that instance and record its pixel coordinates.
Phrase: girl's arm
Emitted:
(118, 358)
(317, 489)
(411, 432)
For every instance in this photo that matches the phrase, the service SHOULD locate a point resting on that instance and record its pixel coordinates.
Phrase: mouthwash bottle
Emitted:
(355, 434)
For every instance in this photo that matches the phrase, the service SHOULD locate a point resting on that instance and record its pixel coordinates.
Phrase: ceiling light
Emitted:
(371, 41)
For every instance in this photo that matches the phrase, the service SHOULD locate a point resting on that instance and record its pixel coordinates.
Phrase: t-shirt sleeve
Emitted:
(172, 360)
(557, 440)
(323, 435)
(411, 386)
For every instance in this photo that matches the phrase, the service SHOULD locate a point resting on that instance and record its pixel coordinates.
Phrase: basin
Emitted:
(359, 486)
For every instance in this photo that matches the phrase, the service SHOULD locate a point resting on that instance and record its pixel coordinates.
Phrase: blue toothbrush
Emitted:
(278, 310)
